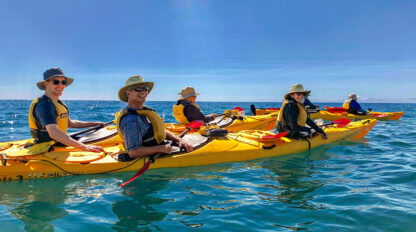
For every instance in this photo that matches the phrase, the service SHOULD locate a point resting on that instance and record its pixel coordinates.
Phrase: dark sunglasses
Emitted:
(57, 82)
(141, 88)
(300, 93)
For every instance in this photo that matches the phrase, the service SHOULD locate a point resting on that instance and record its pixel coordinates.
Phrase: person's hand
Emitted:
(188, 147)
(100, 124)
(92, 148)
(324, 135)
(166, 148)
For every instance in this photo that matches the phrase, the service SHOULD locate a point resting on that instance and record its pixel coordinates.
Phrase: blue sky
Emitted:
(228, 50)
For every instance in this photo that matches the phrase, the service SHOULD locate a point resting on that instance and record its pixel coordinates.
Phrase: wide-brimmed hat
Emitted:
(54, 72)
(132, 82)
(297, 88)
(186, 92)
(353, 96)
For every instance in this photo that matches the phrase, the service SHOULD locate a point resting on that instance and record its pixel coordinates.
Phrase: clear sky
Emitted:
(229, 50)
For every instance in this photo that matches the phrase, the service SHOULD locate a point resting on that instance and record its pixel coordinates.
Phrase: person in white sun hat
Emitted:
(186, 110)
(352, 106)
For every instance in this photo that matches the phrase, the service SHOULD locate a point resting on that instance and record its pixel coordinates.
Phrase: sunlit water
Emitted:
(365, 185)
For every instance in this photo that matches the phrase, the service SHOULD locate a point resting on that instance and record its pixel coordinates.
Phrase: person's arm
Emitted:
(292, 114)
(56, 134)
(309, 104)
(313, 125)
(181, 142)
(192, 113)
(81, 124)
(132, 129)
(149, 151)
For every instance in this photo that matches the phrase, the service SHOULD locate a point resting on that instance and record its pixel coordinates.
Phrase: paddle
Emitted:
(39, 148)
(275, 136)
(339, 122)
(192, 125)
(239, 109)
(89, 130)
(252, 110)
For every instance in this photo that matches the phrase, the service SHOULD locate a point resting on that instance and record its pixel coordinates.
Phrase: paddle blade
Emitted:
(252, 110)
(342, 122)
(240, 111)
(138, 174)
(276, 136)
(379, 115)
(195, 124)
(31, 150)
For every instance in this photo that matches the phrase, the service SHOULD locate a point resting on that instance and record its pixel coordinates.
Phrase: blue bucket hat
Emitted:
(54, 72)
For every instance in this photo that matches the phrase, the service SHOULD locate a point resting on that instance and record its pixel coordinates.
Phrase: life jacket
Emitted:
(179, 114)
(303, 115)
(61, 111)
(346, 104)
(155, 135)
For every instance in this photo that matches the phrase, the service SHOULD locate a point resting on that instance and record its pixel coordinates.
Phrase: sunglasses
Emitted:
(57, 82)
(141, 88)
(300, 93)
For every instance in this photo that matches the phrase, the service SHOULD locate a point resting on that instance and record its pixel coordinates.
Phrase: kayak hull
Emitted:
(331, 116)
(233, 147)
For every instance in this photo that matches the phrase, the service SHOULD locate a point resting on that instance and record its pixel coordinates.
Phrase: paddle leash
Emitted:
(192, 125)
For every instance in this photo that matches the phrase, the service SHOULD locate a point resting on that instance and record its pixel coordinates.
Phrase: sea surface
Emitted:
(365, 185)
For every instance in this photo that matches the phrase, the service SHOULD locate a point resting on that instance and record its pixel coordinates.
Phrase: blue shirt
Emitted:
(45, 113)
(356, 105)
(133, 128)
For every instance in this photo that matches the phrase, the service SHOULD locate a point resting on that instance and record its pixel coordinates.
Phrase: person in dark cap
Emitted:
(49, 116)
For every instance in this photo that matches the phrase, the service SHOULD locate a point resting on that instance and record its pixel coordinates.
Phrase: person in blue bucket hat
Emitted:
(49, 116)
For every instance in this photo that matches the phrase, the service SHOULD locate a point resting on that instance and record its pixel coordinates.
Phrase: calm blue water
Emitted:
(367, 185)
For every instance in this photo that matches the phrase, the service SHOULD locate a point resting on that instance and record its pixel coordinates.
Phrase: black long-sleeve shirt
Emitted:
(290, 121)
(192, 113)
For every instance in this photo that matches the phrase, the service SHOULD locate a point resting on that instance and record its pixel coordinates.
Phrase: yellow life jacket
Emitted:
(303, 115)
(179, 114)
(61, 118)
(159, 131)
(346, 104)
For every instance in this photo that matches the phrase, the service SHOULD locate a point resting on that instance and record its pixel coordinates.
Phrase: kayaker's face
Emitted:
(192, 99)
(55, 86)
(138, 94)
(298, 97)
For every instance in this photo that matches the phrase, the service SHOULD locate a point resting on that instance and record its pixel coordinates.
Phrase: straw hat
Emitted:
(297, 88)
(54, 72)
(186, 92)
(132, 82)
(353, 96)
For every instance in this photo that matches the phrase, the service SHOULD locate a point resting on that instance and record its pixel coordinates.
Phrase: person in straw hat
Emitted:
(352, 106)
(293, 117)
(186, 110)
(49, 117)
(140, 127)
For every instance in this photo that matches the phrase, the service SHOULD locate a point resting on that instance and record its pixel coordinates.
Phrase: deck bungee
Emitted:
(233, 147)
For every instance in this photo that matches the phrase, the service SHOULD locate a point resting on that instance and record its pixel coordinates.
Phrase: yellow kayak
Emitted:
(333, 115)
(234, 123)
(241, 146)
(330, 116)
(108, 136)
